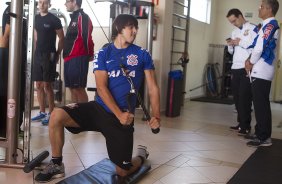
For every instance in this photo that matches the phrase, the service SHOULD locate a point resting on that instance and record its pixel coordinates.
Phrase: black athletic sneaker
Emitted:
(250, 136)
(51, 171)
(243, 132)
(256, 142)
(235, 128)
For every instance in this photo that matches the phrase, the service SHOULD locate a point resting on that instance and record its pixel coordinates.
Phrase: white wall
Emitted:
(162, 46)
(200, 36)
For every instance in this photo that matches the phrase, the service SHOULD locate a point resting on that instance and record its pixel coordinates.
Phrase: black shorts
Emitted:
(91, 116)
(44, 67)
(76, 71)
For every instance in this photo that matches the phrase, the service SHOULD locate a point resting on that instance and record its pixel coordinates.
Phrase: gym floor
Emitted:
(196, 147)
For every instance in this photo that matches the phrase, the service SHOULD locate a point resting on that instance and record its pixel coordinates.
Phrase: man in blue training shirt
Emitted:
(261, 65)
(110, 114)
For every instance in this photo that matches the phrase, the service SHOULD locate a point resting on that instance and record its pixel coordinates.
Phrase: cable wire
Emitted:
(97, 20)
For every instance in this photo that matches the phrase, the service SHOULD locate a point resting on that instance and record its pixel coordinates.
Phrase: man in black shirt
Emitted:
(47, 27)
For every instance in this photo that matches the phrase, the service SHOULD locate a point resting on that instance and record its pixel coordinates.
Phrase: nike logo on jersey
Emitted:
(125, 163)
(109, 61)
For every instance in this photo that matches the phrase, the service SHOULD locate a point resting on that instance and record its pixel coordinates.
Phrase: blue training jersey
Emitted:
(266, 40)
(265, 50)
(135, 60)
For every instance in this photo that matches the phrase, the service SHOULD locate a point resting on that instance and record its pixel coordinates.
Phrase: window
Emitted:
(199, 10)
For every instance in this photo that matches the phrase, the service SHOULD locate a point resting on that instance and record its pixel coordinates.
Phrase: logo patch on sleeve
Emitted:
(267, 31)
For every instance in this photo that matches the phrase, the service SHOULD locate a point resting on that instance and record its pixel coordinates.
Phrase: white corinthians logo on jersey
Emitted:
(132, 60)
(246, 33)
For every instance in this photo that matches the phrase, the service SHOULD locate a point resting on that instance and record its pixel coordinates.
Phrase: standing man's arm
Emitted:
(60, 34)
(229, 42)
(265, 37)
(154, 95)
(35, 38)
(4, 41)
(86, 29)
(90, 40)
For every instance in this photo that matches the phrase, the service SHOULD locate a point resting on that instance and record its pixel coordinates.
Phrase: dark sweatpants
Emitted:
(261, 91)
(242, 93)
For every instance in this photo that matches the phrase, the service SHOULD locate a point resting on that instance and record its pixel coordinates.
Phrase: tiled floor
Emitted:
(196, 147)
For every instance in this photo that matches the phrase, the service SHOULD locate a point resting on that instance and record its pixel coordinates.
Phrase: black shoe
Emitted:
(243, 132)
(51, 171)
(235, 128)
(250, 136)
(256, 142)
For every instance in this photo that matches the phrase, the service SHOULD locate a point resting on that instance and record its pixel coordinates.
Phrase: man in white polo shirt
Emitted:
(241, 38)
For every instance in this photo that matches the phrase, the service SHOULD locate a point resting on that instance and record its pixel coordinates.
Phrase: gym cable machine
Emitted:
(16, 157)
(13, 92)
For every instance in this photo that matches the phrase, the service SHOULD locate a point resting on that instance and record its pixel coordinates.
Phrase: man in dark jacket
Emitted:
(78, 51)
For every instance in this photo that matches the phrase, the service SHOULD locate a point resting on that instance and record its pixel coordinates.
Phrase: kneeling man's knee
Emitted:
(56, 115)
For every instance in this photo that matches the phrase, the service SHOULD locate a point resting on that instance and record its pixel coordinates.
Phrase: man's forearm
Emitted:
(60, 46)
(5, 38)
(4, 42)
(155, 102)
